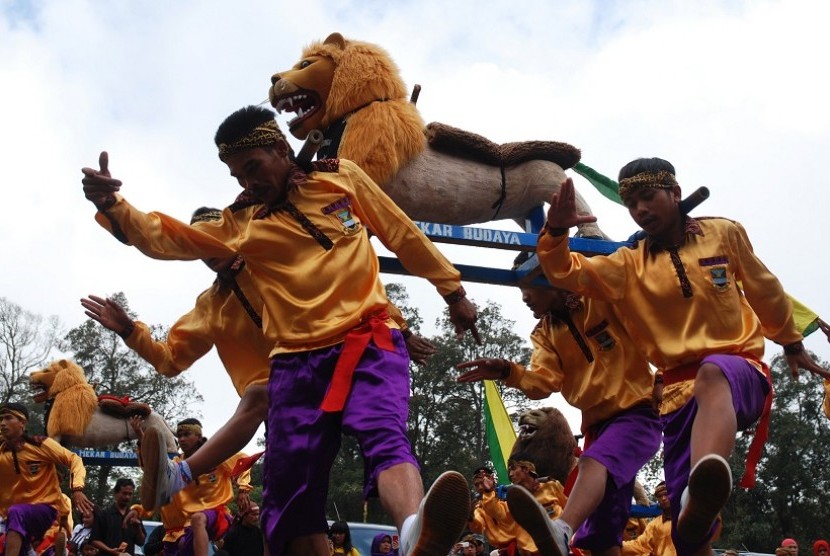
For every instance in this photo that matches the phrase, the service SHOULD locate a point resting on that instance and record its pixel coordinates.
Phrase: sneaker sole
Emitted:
(710, 485)
(532, 517)
(444, 514)
(154, 457)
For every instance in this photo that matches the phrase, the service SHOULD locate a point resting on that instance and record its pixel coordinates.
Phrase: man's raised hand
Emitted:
(107, 312)
(562, 213)
(99, 186)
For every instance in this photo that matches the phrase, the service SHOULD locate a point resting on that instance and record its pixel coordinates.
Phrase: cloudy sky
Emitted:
(734, 93)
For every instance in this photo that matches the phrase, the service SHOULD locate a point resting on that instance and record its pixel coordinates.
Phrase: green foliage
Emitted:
(446, 418)
(793, 483)
(27, 341)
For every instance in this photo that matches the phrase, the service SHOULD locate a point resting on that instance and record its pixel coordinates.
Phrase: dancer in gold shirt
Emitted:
(31, 500)
(339, 363)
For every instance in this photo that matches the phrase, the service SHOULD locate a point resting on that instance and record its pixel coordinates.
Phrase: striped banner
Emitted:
(500, 432)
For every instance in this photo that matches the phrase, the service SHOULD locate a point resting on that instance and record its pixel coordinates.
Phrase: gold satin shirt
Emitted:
(210, 490)
(312, 296)
(679, 313)
(218, 318)
(37, 482)
(618, 378)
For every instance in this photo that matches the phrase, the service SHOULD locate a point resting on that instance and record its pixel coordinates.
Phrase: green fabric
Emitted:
(500, 432)
(605, 185)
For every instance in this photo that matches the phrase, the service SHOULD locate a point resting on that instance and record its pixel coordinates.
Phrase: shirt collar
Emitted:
(690, 227)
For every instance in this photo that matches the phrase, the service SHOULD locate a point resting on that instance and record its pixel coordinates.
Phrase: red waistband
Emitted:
(372, 328)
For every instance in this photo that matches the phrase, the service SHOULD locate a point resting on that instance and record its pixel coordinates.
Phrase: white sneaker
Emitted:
(710, 484)
(162, 477)
(551, 537)
(441, 518)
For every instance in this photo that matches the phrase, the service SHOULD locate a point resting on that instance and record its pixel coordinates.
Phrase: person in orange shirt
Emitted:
(198, 513)
(30, 497)
(490, 514)
(339, 363)
(656, 539)
(581, 350)
(676, 293)
(549, 496)
(226, 316)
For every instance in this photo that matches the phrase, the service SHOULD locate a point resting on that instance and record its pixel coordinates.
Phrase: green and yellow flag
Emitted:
(500, 432)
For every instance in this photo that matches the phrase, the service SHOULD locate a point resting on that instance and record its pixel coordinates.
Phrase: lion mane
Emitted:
(73, 399)
(383, 128)
(546, 437)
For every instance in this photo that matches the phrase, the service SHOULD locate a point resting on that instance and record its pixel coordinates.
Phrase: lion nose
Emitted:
(274, 78)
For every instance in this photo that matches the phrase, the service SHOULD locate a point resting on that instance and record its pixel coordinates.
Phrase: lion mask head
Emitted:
(58, 377)
(546, 436)
(334, 78)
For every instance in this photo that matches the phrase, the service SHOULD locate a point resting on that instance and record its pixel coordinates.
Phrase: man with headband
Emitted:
(581, 350)
(340, 363)
(228, 316)
(30, 496)
(676, 293)
(656, 539)
(549, 495)
(198, 513)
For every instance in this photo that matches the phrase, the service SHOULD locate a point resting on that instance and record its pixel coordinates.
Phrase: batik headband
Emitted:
(657, 180)
(263, 135)
(207, 216)
(195, 429)
(14, 413)
(531, 467)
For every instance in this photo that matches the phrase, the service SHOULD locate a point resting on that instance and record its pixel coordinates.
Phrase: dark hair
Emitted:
(242, 122)
(645, 165)
(15, 406)
(342, 527)
(205, 210)
(122, 482)
(189, 421)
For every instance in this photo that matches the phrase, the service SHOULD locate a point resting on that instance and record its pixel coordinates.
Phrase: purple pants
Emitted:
(623, 444)
(302, 441)
(185, 543)
(749, 391)
(30, 521)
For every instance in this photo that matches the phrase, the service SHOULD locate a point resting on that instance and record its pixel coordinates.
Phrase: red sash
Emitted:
(373, 328)
(244, 464)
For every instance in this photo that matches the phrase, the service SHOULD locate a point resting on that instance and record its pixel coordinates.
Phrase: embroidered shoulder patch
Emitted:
(341, 209)
(594, 330)
(714, 261)
(601, 336)
(337, 205)
(719, 277)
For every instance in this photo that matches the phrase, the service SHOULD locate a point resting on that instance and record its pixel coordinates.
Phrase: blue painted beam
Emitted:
(107, 457)
(507, 239)
(527, 274)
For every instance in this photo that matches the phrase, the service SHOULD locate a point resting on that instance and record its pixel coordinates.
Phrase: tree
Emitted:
(27, 341)
(446, 418)
(793, 483)
(113, 368)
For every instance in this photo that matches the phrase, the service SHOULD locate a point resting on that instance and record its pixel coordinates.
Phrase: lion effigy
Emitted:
(352, 91)
(546, 436)
(74, 417)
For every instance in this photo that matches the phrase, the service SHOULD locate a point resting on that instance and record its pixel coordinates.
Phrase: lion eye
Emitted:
(304, 64)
